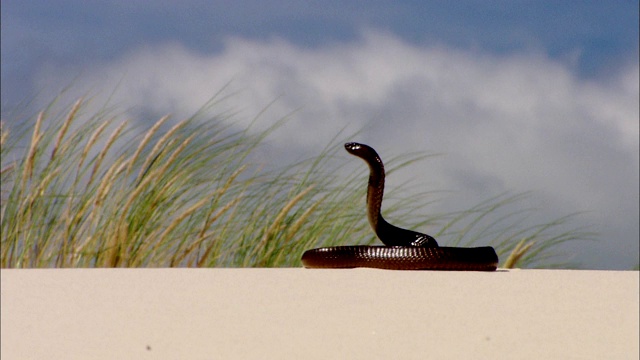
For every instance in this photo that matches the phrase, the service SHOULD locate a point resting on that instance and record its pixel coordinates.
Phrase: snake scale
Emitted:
(404, 249)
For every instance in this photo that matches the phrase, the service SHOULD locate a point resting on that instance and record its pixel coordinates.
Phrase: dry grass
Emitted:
(87, 191)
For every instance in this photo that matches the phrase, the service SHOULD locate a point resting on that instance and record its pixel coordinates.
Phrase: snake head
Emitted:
(369, 155)
(361, 150)
(352, 147)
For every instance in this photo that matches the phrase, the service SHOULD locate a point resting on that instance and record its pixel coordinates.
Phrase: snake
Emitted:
(403, 249)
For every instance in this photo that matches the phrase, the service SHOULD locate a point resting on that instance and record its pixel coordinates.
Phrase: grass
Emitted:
(85, 190)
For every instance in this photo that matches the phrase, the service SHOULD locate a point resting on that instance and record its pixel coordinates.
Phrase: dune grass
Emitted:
(87, 190)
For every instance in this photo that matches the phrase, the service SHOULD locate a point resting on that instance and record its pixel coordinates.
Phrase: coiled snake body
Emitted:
(404, 249)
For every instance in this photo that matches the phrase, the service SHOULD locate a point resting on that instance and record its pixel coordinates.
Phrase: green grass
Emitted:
(85, 190)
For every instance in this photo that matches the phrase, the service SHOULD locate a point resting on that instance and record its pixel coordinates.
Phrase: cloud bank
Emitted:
(513, 123)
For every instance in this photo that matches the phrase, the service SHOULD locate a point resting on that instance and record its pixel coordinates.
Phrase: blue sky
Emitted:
(517, 95)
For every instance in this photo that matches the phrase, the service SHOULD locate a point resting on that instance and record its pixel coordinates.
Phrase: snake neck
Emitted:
(389, 234)
(375, 192)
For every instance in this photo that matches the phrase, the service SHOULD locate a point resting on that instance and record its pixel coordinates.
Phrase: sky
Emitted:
(516, 96)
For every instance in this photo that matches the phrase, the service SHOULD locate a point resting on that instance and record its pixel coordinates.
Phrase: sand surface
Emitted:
(318, 314)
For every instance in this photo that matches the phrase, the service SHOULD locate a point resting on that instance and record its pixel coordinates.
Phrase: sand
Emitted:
(318, 314)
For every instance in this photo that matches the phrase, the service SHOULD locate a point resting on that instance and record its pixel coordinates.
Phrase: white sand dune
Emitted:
(318, 314)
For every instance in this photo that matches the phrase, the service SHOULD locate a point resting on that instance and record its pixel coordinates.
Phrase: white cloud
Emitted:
(515, 122)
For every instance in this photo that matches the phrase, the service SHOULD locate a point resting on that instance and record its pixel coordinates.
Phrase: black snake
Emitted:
(404, 249)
